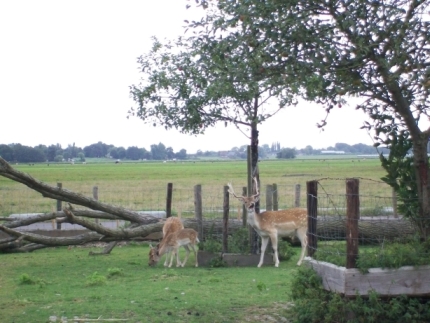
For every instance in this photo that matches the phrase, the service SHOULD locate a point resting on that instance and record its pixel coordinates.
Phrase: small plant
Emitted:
(96, 280)
(261, 286)
(25, 279)
(115, 272)
(285, 251)
(210, 244)
(217, 262)
(239, 241)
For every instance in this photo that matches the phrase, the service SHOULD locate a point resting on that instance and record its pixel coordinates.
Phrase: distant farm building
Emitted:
(332, 152)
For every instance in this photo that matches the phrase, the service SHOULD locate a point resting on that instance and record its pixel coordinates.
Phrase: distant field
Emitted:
(142, 185)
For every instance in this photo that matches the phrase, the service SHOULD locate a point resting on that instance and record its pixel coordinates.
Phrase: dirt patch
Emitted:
(273, 314)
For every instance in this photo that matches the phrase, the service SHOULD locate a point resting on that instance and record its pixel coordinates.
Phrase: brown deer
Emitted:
(274, 224)
(172, 242)
(172, 224)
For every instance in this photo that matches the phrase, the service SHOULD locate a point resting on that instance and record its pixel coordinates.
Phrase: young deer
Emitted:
(274, 224)
(171, 243)
(172, 224)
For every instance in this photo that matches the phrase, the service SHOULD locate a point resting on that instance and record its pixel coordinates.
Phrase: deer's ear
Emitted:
(150, 246)
(241, 199)
(257, 198)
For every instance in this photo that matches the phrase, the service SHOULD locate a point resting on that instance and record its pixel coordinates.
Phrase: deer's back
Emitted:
(172, 225)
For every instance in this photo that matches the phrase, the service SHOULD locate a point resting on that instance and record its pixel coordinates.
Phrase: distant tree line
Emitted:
(55, 153)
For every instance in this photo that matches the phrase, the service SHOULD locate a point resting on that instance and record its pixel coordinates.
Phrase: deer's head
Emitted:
(248, 201)
(154, 255)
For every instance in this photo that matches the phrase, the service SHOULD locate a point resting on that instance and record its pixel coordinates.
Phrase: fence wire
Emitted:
(385, 237)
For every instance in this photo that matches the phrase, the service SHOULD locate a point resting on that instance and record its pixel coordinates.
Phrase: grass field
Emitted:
(60, 282)
(142, 185)
(67, 283)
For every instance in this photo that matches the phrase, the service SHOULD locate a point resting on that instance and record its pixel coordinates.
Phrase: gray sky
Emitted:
(66, 67)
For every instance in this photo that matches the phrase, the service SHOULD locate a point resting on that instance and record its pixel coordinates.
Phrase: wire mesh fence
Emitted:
(384, 238)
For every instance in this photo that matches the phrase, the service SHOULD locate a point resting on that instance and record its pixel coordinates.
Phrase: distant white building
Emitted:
(332, 152)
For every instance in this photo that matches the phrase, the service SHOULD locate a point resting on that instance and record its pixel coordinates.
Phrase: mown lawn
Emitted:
(68, 283)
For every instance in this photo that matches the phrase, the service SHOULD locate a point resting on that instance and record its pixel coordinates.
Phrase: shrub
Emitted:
(313, 304)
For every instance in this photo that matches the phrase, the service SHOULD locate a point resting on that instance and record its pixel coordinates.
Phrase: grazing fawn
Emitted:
(171, 243)
(172, 224)
(274, 224)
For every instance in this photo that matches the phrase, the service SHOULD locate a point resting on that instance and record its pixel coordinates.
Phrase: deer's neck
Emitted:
(253, 219)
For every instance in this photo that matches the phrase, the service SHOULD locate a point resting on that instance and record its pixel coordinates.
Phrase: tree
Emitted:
(26, 154)
(97, 150)
(52, 152)
(170, 154)
(182, 154)
(159, 152)
(286, 153)
(308, 150)
(214, 75)
(6, 152)
(133, 153)
(377, 50)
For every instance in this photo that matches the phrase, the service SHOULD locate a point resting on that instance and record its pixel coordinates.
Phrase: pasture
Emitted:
(58, 283)
(142, 185)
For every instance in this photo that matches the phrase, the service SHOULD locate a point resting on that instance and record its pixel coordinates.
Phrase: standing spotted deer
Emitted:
(274, 224)
(171, 244)
(172, 225)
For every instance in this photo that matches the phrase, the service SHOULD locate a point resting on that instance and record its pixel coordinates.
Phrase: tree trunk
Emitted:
(421, 163)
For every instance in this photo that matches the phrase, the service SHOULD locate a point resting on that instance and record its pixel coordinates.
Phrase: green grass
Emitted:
(143, 185)
(69, 283)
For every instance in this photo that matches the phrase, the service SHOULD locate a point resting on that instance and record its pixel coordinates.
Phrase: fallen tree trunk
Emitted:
(65, 195)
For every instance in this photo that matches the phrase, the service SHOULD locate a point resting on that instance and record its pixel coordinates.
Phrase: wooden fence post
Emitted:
(96, 197)
(169, 200)
(352, 216)
(297, 195)
(244, 210)
(269, 197)
(275, 197)
(226, 207)
(59, 205)
(312, 206)
(198, 209)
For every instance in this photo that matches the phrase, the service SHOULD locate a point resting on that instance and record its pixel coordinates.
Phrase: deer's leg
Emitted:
(264, 242)
(195, 253)
(274, 239)
(181, 263)
(186, 255)
(302, 235)
(172, 255)
(167, 259)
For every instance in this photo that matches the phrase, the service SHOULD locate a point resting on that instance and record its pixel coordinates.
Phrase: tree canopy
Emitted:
(375, 50)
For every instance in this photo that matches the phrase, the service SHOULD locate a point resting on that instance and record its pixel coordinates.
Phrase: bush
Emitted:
(96, 280)
(313, 304)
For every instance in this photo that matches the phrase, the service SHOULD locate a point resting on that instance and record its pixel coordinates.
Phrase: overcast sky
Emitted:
(66, 68)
